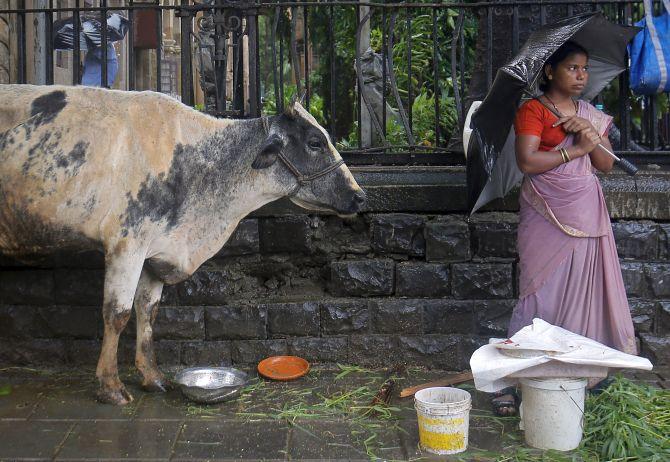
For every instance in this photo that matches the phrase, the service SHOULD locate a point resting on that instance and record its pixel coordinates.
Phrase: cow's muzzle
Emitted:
(359, 200)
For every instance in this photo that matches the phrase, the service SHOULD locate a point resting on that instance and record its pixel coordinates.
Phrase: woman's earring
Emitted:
(550, 77)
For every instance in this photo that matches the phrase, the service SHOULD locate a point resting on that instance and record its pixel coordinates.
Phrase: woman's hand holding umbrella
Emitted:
(587, 137)
(587, 141)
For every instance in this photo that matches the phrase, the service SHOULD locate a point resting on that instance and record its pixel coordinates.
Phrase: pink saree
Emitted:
(569, 268)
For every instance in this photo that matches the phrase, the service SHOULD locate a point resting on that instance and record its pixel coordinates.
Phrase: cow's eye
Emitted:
(314, 143)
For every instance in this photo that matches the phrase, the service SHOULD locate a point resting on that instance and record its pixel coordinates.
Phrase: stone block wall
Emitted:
(420, 288)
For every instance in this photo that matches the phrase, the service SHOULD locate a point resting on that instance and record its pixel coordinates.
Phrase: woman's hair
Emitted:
(567, 49)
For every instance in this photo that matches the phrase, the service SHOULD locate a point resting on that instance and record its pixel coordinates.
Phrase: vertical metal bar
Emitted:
(305, 23)
(359, 103)
(436, 86)
(281, 65)
(49, 45)
(186, 69)
(21, 37)
(461, 66)
(489, 47)
(515, 29)
(257, 54)
(455, 36)
(238, 67)
(570, 10)
(103, 43)
(653, 121)
(384, 70)
(543, 14)
(293, 56)
(159, 49)
(76, 45)
(252, 30)
(220, 57)
(331, 53)
(273, 44)
(131, 46)
(624, 95)
(410, 96)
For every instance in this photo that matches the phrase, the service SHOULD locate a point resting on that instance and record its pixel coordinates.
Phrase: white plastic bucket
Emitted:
(553, 412)
(444, 418)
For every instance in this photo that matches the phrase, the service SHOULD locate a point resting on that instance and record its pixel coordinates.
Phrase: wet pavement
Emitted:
(53, 415)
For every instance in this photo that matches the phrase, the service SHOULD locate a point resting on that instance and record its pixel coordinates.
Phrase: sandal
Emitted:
(506, 407)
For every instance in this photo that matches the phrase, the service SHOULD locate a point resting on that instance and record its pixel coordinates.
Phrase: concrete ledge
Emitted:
(443, 190)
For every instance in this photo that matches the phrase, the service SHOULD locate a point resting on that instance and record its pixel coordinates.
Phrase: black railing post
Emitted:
(49, 44)
(21, 38)
(436, 84)
(159, 48)
(410, 94)
(103, 43)
(238, 64)
(305, 37)
(331, 54)
(252, 30)
(76, 45)
(489, 47)
(186, 22)
(275, 71)
(131, 46)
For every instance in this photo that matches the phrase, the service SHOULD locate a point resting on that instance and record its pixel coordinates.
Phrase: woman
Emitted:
(569, 267)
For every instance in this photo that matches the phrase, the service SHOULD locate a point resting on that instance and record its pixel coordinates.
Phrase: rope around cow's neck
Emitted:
(302, 179)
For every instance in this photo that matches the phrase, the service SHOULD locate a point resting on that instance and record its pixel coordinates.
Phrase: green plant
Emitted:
(315, 103)
(628, 422)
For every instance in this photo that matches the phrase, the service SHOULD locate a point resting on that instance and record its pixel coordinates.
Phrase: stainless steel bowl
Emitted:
(211, 384)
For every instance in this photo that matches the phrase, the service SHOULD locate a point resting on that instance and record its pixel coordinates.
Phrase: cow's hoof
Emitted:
(157, 384)
(119, 397)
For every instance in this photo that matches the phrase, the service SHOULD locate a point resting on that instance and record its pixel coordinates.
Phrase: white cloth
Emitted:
(540, 343)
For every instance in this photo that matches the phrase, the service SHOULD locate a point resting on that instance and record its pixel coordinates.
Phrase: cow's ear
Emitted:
(268, 155)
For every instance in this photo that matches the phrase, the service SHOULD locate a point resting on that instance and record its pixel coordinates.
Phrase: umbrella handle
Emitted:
(626, 166)
(623, 164)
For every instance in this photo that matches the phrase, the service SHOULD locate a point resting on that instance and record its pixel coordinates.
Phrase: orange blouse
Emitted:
(533, 118)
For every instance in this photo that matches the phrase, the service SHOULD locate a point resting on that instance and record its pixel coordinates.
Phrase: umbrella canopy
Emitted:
(491, 160)
(90, 35)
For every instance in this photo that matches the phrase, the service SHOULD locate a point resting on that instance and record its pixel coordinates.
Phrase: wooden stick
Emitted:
(454, 379)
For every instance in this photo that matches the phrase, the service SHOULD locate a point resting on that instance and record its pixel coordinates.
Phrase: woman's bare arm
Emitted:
(600, 159)
(532, 161)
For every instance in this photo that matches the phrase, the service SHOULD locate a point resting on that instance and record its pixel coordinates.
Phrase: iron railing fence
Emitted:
(391, 82)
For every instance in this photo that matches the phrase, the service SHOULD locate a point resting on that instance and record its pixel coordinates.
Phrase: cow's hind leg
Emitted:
(122, 272)
(147, 298)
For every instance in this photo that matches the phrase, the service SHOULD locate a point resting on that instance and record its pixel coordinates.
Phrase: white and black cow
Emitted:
(156, 186)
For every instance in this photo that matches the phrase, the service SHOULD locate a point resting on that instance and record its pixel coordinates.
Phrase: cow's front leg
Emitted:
(122, 271)
(147, 298)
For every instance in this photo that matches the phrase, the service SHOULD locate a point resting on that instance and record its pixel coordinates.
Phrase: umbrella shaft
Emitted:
(608, 151)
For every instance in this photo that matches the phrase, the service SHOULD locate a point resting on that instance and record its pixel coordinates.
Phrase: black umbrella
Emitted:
(491, 161)
(90, 34)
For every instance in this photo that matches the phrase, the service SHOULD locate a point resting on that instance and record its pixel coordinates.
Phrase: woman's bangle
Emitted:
(564, 155)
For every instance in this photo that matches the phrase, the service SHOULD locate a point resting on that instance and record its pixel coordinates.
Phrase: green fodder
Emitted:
(628, 421)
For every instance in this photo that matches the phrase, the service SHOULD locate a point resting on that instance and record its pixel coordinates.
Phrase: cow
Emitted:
(155, 185)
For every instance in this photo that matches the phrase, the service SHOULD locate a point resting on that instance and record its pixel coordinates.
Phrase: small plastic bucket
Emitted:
(444, 418)
(553, 412)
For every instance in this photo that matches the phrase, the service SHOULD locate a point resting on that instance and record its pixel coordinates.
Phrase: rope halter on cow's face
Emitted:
(302, 178)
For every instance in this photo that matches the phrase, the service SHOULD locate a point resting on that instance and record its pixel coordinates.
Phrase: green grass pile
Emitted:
(627, 421)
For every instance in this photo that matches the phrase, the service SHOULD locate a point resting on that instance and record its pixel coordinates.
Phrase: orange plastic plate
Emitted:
(283, 367)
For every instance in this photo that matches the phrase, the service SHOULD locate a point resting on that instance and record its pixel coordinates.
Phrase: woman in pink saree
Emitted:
(569, 268)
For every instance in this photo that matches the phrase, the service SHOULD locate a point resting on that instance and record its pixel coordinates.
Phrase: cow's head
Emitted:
(310, 163)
